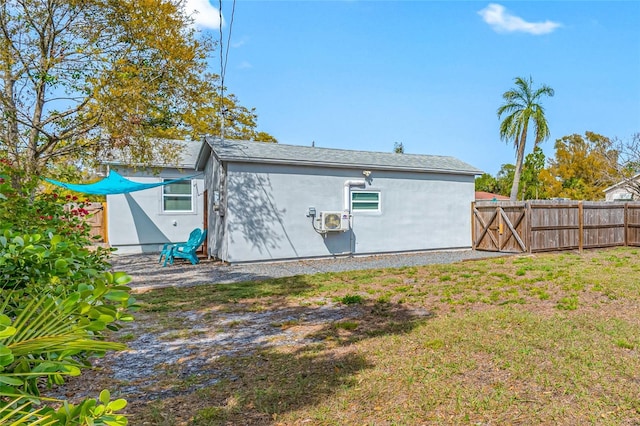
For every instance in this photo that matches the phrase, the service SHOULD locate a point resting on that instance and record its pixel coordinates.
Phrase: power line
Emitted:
(224, 59)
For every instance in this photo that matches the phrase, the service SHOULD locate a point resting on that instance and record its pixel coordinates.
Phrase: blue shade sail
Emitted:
(113, 184)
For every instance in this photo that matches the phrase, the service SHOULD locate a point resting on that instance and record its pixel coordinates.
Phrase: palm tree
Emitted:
(522, 104)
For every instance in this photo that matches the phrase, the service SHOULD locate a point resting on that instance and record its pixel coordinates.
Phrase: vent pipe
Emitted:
(347, 192)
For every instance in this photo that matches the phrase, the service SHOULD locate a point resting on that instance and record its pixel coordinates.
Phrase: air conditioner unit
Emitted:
(334, 221)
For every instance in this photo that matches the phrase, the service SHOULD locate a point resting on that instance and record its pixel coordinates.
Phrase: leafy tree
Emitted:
(81, 76)
(552, 184)
(628, 164)
(504, 179)
(486, 183)
(584, 166)
(398, 148)
(521, 106)
(531, 184)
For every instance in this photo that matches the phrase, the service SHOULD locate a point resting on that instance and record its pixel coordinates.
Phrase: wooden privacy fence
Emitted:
(535, 226)
(96, 219)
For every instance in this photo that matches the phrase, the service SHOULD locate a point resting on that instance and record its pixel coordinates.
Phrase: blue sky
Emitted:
(365, 74)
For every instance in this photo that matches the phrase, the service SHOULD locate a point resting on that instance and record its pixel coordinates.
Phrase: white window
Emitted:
(177, 196)
(366, 201)
(623, 197)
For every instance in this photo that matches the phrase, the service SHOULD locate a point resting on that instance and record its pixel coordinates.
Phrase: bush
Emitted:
(57, 298)
(46, 216)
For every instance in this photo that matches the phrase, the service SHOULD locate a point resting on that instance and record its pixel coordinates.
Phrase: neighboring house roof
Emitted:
(482, 195)
(622, 183)
(271, 153)
(189, 151)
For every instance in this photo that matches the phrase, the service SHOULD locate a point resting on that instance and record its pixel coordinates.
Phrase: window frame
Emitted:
(353, 203)
(164, 195)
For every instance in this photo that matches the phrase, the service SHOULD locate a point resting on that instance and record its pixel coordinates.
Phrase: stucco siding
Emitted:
(620, 193)
(136, 222)
(418, 212)
(267, 206)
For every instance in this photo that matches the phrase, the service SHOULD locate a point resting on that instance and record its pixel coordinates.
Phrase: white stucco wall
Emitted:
(136, 222)
(266, 208)
(619, 193)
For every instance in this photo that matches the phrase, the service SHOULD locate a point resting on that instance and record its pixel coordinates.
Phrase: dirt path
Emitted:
(170, 358)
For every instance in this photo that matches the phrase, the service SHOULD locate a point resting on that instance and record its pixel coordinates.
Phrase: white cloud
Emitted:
(239, 43)
(502, 21)
(203, 13)
(244, 65)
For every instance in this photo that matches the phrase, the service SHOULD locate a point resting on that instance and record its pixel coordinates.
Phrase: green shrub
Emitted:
(45, 260)
(44, 239)
(57, 298)
(103, 412)
(48, 335)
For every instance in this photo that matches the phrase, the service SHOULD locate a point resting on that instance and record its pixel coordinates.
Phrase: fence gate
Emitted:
(97, 221)
(500, 227)
(632, 221)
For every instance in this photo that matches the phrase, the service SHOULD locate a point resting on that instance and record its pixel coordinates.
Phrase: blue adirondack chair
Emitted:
(185, 250)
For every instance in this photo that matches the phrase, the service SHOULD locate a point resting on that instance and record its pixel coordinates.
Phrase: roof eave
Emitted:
(622, 183)
(203, 155)
(472, 172)
(149, 166)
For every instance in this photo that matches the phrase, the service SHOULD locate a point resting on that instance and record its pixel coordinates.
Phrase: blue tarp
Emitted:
(112, 184)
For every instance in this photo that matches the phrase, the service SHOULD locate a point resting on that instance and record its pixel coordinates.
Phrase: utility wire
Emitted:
(224, 59)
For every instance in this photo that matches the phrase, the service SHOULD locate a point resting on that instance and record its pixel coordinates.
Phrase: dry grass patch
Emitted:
(542, 339)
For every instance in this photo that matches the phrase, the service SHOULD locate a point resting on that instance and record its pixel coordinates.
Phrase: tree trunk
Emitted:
(519, 162)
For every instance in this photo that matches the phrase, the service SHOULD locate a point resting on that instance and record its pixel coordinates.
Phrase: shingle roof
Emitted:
(271, 153)
(633, 179)
(189, 151)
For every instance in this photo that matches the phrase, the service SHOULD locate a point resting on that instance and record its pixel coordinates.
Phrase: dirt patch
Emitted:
(176, 355)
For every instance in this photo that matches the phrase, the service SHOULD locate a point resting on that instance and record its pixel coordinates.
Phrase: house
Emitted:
(143, 221)
(276, 202)
(624, 190)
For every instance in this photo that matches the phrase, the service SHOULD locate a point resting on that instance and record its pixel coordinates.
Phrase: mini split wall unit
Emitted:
(270, 201)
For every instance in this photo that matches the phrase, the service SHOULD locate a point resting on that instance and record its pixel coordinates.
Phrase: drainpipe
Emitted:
(347, 192)
(347, 207)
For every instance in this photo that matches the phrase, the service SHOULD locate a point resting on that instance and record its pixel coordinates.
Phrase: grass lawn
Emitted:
(533, 339)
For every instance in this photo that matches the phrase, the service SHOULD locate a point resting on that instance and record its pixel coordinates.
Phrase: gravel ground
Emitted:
(147, 273)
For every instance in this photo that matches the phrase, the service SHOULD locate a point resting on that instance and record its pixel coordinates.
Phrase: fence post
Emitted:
(500, 228)
(580, 226)
(473, 225)
(626, 224)
(527, 227)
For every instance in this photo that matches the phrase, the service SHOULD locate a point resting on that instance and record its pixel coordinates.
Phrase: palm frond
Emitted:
(525, 87)
(71, 342)
(543, 90)
(49, 341)
(17, 411)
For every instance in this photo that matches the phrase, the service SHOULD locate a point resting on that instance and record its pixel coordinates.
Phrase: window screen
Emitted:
(365, 201)
(177, 197)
